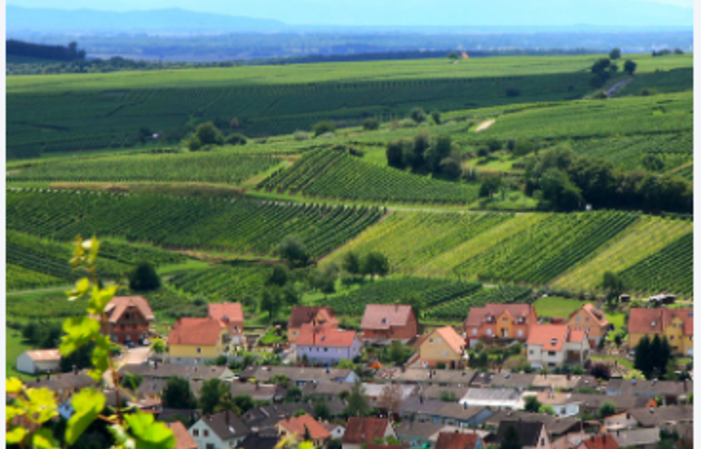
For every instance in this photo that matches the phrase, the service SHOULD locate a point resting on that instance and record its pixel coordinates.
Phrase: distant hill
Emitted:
(162, 20)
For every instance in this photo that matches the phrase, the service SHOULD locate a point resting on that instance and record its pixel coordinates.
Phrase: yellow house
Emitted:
(675, 324)
(194, 341)
(443, 345)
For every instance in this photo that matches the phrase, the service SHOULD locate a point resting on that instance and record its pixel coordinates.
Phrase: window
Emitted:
(199, 350)
(504, 320)
(294, 333)
(551, 353)
(440, 340)
(445, 353)
(474, 331)
(209, 446)
(542, 441)
(430, 340)
(489, 332)
(586, 329)
(520, 333)
(579, 319)
(206, 433)
(531, 352)
(671, 337)
(195, 433)
(326, 349)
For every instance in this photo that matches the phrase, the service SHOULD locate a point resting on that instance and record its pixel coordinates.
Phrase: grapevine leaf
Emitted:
(40, 404)
(100, 358)
(87, 404)
(121, 438)
(79, 330)
(100, 298)
(150, 434)
(11, 411)
(93, 248)
(43, 439)
(15, 435)
(13, 385)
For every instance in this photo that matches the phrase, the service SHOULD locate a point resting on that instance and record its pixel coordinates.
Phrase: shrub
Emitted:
(417, 115)
(370, 124)
(301, 135)
(193, 143)
(209, 134)
(236, 139)
(144, 278)
(483, 152)
(323, 127)
(436, 116)
(407, 123)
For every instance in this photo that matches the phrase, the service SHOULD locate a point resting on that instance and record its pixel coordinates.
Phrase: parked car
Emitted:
(130, 344)
(145, 342)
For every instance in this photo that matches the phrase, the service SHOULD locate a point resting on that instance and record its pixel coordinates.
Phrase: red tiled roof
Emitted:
(576, 335)
(303, 315)
(641, 320)
(478, 315)
(455, 440)
(596, 314)
(44, 354)
(363, 430)
(544, 334)
(601, 442)
(195, 331)
(226, 310)
(183, 439)
(384, 316)
(300, 424)
(452, 338)
(119, 304)
(324, 336)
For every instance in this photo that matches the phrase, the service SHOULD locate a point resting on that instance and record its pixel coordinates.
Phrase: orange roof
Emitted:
(362, 430)
(478, 315)
(300, 424)
(195, 331)
(44, 354)
(550, 336)
(384, 316)
(654, 321)
(576, 335)
(601, 442)
(597, 314)
(325, 336)
(231, 311)
(452, 338)
(183, 439)
(119, 304)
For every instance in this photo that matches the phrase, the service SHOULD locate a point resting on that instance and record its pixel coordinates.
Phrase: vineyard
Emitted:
(459, 309)
(235, 225)
(223, 282)
(674, 80)
(215, 167)
(335, 174)
(432, 291)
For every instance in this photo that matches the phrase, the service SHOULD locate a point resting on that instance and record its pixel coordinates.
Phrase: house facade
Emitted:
(443, 346)
(499, 321)
(128, 319)
(219, 431)
(317, 316)
(555, 345)
(230, 315)
(590, 320)
(327, 345)
(194, 341)
(675, 324)
(303, 425)
(531, 435)
(39, 361)
(388, 322)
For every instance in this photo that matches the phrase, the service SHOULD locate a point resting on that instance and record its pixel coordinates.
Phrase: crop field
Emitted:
(659, 82)
(433, 291)
(222, 282)
(459, 309)
(215, 167)
(335, 174)
(234, 225)
(556, 307)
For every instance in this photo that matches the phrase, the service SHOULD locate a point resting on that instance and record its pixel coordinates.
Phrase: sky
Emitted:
(411, 12)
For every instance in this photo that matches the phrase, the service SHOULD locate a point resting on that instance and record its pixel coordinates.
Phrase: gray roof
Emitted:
(325, 388)
(594, 401)
(264, 373)
(418, 429)
(636, 437)
(512, 380)
(436, 391)
(460, 412)
(651, 417)
(62, 382)
(376, 390)
(172, 370)
(420, 375)
(492, 394)
(226, 425)
(482, 379)
(417, 405)
(649, 387)
(554, 424)
(268, 416)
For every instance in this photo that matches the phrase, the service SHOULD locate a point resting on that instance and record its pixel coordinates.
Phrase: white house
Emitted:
(495, 398)
(336, 430)
(555, 345)
(562, 403)
(39, 361)
(324, 344)
(219, 431)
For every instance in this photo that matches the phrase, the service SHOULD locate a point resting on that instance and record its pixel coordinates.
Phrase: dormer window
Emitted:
(384, 320)
(520, 320)
(690, 314)
(553, 341)
(504, 320)
(652, 324)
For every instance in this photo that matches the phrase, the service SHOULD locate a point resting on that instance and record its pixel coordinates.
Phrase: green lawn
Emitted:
(14, 346)
(556, 307)
(618, 319)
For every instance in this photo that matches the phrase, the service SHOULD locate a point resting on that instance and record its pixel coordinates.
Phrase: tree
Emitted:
(281, 380)
(559, 191)
(271, 301)
(417, 157)
(324, 279)
(279, 276)
(293, 394)
(397, 353)
(323, 127)
(132, 380)
(211, 393)
(417, 114)
(642, 360)
(613, 283)
(600, 65)
(453, 56)
(615, 54)
(390, 399)
(322, 410)
(678, 51)
(158, 346)
(436, 116)
(600, 371)
(607, 409)
(244, 402)
(395, 153)
(441, 149)
(510, 440)
(346, 364)
(357, 402)
(80, 359)
(370, 124)
(629, 67)
(416, 301)
(177, 394)
(351, 263)
(294, 250)
(451, 166)
(532, 404)
(236, 139)
(144, 278)
(209, 134)
(375, 264)
(490, 185)
(234, 123)
(547, 409)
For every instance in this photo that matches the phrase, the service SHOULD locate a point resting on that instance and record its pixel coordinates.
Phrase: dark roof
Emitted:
(418, 429)
(527, 431)
(360, 430)
(649, 387)
(436, 391)
(414, 405)
(482, 379)
(456, 440)
(594, 401)
(512, 380)
(303, 315)
(62, 382)
(168, 413)
(259, 441)
(226, 425)
(173, 370)
(555, 425)
(264, 373)
(325, 388)
(655, 416)
(420, 375)
(266, 417)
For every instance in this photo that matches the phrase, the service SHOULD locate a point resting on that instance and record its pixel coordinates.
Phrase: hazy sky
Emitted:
(407, 12)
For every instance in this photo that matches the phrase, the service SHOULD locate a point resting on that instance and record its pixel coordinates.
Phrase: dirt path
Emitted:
(484, 125)
(611, 91)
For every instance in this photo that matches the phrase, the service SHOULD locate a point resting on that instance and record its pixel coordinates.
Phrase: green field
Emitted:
(556, 307)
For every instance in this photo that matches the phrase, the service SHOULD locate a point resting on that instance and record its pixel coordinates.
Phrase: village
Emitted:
(392, 384)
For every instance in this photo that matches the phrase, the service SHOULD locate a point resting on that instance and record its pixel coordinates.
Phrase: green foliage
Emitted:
(357, 402)
(652, 356)
(177, 394)
(323, 127)
(613, 283)
(510, 440)
(629, 67)
(607, 409)
(211, 395)
(294, 250)
(144, 278)
(417, 114)
(546, 410)
(158, 346)
(531, 404)
(453, 55)
(236, 139)
(132, 380)
(209, 134)
(448, 396)
(490, 185)
(371, 124)
(615, 54)
(436, 116)
(374, 264)
(351, 263)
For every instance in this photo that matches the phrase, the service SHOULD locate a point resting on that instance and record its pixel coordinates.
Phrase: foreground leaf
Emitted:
(150, 434)
(87, 404)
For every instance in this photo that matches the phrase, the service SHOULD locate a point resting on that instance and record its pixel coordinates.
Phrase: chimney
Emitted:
(255, 431)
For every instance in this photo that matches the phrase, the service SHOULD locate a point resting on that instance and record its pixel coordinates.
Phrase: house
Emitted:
(183, 440)
(504, 379)
(64, 386)
(128, 319)
(637, 438)
(424, 435)
(326, 390)
(304, 426)
(166, 370)
(422, 376)
(266, 417)
(230, 315)
(360, 430)
(675, 324)
(531, 435)
(374, 391)
(420, 410)
(39, 361)
(555, 426)
(504, 321)
(599, 442)
(650, 417)
(590, 403)
(671, 392)
(301, 315)
(300, 376)
(443, 346)
(194, 341)
(257, 391)
(562, 382)
(555, 345)
(590, 320)
(219, 431)
(260, 440)
(385, 322)
(562, 403)
(327, 345)
(336, 430)
(459, 440)
(494, 398)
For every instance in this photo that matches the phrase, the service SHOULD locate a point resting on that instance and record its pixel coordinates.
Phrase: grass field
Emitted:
(556, 307)
(14, 346)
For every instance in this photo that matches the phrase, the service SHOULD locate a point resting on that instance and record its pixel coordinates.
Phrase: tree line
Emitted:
(39, 51)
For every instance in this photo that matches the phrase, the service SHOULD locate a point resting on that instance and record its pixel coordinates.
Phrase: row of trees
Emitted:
(566, 181)
(425, 154)
(653, 357)
(604, 68)
(55, 52)
(208, 134)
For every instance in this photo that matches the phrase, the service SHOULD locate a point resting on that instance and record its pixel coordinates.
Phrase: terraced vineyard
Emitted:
(334, 174)
(20, 278)
(670, 269)
(217, 167)
(433, 291)
(223, 282)
(237, 225)
(459, 309)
